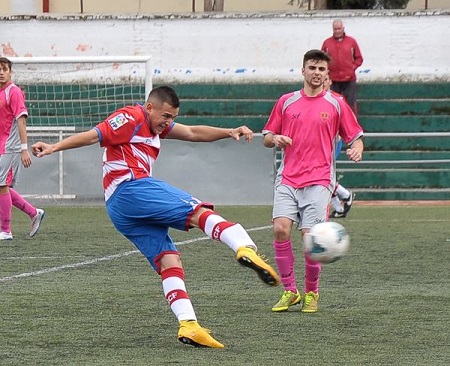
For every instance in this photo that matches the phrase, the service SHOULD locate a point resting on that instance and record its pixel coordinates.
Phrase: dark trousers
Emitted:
(348, 89)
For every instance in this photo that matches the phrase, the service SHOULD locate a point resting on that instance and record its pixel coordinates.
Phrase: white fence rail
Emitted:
(277, 152)
(60, 132)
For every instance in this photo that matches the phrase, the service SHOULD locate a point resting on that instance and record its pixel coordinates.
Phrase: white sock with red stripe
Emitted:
(230, 233)
(176, 294)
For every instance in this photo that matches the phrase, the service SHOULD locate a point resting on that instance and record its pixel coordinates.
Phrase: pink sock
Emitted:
(284, 257)
(23, 205)
(312, 273)
(5, 212)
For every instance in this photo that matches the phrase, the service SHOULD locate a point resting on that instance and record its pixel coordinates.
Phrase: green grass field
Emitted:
(79, 294)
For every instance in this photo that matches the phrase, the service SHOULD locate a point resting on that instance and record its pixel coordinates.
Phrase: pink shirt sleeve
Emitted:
(349, 128)
(274, 123)
(17, 102)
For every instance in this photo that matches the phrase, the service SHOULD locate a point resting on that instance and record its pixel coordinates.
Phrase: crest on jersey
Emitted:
(324, 116)
(117, 121)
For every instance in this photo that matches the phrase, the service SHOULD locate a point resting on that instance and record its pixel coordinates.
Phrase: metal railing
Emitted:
(60, 132)
(277, 152)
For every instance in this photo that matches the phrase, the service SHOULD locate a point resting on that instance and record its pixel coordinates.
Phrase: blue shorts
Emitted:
(143, 210)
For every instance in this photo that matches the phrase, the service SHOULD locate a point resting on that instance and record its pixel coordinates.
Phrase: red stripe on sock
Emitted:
(175, 295)
(202, 219)
(172, 272)
(219, 229)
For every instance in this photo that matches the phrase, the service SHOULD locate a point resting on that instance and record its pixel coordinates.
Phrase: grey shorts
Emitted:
(9, 169)
(305, 206)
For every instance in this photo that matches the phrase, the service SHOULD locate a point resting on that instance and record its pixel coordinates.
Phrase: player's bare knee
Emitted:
(170, 260)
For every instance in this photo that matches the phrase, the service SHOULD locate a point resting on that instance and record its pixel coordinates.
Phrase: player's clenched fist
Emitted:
(41, 149)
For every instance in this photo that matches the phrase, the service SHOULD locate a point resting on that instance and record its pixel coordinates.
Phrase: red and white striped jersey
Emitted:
(130, 146)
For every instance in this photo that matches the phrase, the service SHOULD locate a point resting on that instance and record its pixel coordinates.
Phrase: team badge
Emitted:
(117, 121)
(324, 116)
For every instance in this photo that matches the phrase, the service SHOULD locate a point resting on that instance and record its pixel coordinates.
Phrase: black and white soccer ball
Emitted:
(326, 242)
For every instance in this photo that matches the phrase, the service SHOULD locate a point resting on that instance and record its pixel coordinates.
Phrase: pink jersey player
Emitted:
(313, 124)
(12, 102)
(13, 152)
(306, 124)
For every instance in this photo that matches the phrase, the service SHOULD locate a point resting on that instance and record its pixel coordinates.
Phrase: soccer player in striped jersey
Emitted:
(306, 124)
(143, 208)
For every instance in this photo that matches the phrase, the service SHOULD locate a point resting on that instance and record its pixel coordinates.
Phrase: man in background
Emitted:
(345, 57)
(342, 198)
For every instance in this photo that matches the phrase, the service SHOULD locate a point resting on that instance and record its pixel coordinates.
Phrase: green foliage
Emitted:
(394, 4)
(367, 4)
(386, 303)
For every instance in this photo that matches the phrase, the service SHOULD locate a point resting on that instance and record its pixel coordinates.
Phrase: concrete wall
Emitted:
(225, 172)
(173, 6)
(398, 46)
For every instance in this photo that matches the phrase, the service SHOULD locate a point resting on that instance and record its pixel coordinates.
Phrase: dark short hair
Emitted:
(315, 55)
(164, 94)
(4, 60)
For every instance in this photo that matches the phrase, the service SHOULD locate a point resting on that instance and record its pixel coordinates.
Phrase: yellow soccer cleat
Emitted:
(249, 258)
(190, 332)
(310, 302)
(288, 299)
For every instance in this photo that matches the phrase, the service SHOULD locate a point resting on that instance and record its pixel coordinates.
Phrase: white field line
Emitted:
(103, 259)
(44, 257)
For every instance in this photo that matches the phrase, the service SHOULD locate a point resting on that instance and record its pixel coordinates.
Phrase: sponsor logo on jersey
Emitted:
(118, 121)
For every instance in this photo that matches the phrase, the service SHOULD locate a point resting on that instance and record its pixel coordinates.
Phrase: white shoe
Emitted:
(5, 236)
(36, 221)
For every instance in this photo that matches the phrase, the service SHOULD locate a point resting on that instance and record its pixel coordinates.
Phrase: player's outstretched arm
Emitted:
(202, 133)
(78, 140)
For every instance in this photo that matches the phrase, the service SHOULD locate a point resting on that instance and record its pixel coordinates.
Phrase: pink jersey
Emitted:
(313, 124)
(130, 147)
(12, 106)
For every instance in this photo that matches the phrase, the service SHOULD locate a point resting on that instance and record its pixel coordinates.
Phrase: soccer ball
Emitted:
(326, 242)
